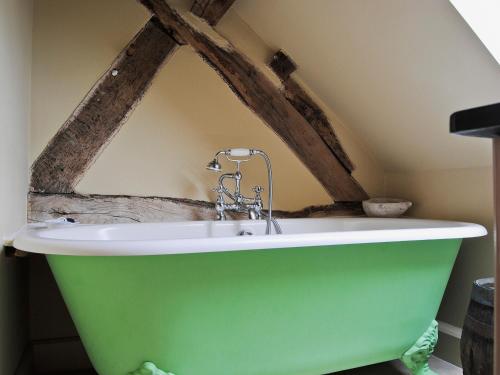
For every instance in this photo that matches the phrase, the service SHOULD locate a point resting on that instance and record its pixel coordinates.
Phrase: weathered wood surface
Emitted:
(211, 10)
(106, 209)
(102, 112)
(264, 99)
(341, 209)
(283, 66)
(476, 344)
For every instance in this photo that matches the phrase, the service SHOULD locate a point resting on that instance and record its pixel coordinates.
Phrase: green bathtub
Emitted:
(306, 310)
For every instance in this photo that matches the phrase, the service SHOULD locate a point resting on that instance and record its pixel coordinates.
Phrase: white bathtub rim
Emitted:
(30, 240)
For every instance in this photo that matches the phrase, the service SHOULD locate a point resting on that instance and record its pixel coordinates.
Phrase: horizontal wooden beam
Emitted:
(263, 97)
(283, 66)
(107, 209)
(102, 112)
(211, 10)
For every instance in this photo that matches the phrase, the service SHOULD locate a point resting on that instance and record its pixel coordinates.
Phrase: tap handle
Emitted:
(239, 152)
(258, 198)
(258, 189)
(220, 194)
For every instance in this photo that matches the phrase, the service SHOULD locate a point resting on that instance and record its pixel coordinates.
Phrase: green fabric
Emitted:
(417, 357)
(297, 311)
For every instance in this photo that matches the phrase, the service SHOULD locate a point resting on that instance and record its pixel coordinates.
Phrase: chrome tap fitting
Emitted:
(237, 201)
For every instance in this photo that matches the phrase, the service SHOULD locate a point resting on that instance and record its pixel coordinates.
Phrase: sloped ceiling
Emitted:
(482, 17)
(393, 70)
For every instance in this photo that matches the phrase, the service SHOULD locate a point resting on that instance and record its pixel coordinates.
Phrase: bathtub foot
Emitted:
(417, 357)
(149, 368)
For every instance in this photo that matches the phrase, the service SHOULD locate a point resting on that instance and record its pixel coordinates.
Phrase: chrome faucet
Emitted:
(253, 207)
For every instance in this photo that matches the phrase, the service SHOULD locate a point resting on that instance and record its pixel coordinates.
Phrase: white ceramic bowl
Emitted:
(386, 207)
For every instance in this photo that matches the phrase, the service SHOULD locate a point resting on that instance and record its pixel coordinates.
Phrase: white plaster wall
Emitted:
(15, 72)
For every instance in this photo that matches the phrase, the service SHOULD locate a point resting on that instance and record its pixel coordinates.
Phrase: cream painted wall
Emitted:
(393, 70)
(15, 72)
(455, 194)
(186, 116)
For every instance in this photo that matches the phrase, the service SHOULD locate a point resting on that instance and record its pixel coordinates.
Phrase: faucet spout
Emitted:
(252, 214)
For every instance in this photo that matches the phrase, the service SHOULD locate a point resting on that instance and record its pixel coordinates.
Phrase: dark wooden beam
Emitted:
(283, 66)
(211, 10)
(106, 209)
(306, 106)
(102, 112)
(263, 97)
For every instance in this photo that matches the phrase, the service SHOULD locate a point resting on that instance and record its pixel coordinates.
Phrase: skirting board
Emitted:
(448, 347)
(450, 330)
(438, 365)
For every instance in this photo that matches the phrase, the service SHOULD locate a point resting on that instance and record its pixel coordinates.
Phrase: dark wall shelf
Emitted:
(477, 122)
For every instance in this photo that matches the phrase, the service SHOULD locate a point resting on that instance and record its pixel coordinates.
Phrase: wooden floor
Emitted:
(389, 368)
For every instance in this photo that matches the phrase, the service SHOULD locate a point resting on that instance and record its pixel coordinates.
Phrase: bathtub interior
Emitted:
(216, 229)
(297, 311)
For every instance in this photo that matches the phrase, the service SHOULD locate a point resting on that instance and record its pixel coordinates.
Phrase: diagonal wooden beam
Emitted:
(283, 66)
(102, 112)
(264, 98)
(106, 107)
(211, 10)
